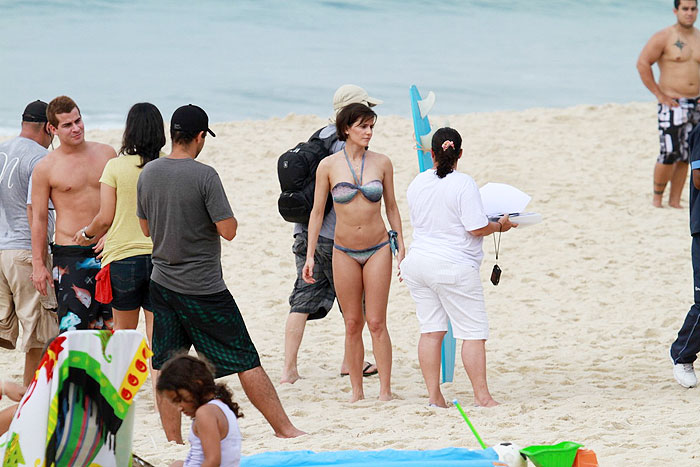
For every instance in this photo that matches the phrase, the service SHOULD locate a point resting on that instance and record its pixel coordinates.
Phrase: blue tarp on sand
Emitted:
(385, 458)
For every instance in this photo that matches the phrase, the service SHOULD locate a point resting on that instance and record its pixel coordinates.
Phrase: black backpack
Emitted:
(296, 170)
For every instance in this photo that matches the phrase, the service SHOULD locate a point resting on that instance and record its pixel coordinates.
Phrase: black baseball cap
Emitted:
(190, 118)
(35, 112)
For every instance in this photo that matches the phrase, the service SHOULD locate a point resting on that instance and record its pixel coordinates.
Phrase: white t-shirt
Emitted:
(443, 210)
(20, 156)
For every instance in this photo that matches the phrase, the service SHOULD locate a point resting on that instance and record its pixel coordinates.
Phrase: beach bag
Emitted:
(296, 171)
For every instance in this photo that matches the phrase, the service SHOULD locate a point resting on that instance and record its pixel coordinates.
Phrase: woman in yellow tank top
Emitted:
(126, 256)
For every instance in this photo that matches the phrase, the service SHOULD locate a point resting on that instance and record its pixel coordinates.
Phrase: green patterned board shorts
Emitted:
(212, 323)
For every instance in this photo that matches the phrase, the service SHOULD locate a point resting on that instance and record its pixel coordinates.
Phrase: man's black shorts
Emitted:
(212, 323)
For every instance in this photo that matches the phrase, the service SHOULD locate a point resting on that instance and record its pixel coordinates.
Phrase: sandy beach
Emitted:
(588, 304)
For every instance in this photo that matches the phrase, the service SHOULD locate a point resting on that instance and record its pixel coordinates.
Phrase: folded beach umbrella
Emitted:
(79, 408)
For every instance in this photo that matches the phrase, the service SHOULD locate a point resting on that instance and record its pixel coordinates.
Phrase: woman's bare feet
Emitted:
(485, 402)
(385, 397)
(357, 396)
(290, 377)
(291, 433)
(437, 401)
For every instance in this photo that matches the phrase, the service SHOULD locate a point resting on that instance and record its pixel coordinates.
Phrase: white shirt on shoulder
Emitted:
(443, 210)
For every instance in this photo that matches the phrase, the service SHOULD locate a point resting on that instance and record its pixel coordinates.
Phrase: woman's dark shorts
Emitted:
(131, 278)
(212, 323)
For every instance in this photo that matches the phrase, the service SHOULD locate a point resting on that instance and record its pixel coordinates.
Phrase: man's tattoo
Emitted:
(679, 44)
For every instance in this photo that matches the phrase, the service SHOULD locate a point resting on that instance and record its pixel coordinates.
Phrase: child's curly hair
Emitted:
(196, 375)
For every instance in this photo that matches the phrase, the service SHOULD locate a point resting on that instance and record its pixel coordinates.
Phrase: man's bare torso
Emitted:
(74, 184)
(679, 64)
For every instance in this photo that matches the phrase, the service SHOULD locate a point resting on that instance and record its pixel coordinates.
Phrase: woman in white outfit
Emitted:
(442, 266)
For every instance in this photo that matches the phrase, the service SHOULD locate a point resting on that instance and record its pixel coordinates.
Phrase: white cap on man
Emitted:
(350, 94)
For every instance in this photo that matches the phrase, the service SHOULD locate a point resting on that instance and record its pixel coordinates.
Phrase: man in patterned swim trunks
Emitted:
(676, 51)
(70, 178)
(182, 206)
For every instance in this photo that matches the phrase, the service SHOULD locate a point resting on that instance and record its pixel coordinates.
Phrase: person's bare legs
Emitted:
(6, 415)
(170, 418)
(293, 333)
(344, 366)
(662, 174)
(125, 319)
(474, 360)
(148, 316)
(262, 394)
(429, 357)
(678, 177)
(31, 363)
(376, 275)
(347, 275)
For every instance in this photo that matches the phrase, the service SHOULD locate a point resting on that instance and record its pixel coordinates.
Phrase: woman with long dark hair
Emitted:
(358, 179)
(126, 257)
(442, 266)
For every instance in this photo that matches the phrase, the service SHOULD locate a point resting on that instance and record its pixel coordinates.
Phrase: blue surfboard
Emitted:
(421, 129)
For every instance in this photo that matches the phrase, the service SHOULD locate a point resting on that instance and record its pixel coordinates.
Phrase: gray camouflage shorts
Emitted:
(315, 299)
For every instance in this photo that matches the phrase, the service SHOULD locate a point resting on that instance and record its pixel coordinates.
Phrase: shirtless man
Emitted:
(69, 176)
(676, 51)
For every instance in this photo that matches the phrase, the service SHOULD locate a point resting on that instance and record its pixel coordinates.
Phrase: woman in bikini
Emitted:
(363, 247)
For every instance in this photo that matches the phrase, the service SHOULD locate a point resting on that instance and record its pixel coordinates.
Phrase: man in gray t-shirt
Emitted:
(183, 200)
(182, 206)
(20, 303)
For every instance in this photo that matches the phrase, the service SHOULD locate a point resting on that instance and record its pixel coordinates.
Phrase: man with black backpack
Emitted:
(297, 173)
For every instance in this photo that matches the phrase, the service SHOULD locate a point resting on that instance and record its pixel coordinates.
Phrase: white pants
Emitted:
(445, 290)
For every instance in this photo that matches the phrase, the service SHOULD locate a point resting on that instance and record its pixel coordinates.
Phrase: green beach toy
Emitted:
(471, 427)
(558, 455)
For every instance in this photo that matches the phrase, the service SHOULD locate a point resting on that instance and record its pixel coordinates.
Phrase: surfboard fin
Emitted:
(426, 141)
(426, 104)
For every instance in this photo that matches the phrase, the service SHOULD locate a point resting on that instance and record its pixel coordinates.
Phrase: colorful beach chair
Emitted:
(79, 410)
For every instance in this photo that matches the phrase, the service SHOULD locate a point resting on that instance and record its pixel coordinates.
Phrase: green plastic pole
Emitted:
(471, 427)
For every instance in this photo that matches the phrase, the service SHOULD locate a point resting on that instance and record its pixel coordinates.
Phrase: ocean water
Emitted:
(250, 59)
